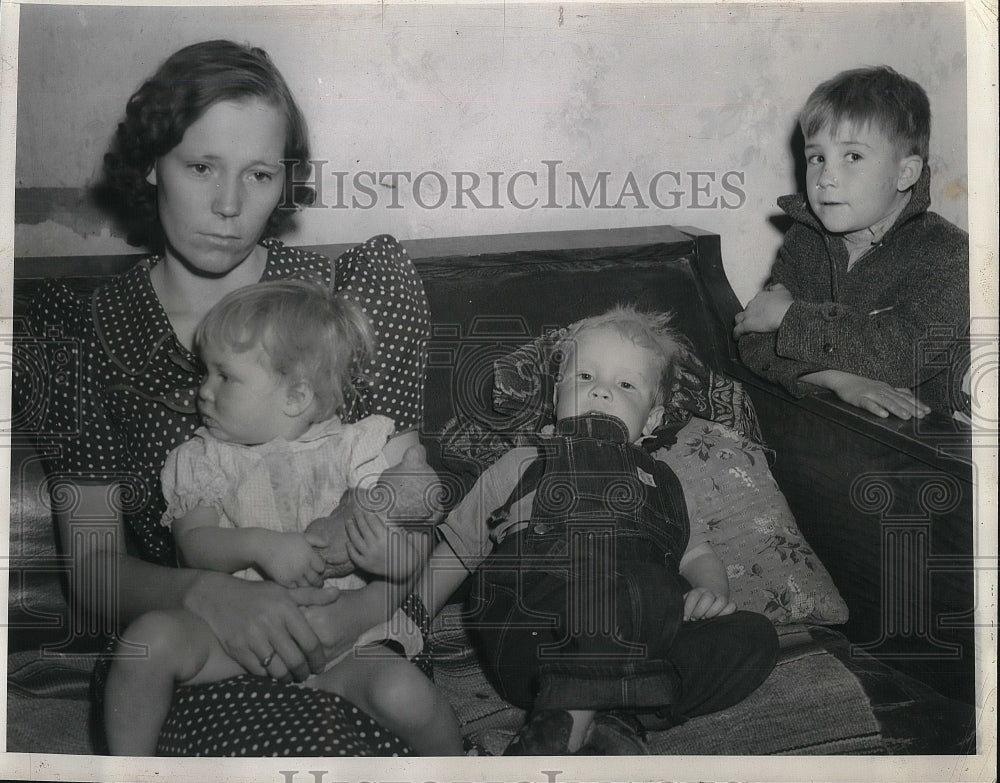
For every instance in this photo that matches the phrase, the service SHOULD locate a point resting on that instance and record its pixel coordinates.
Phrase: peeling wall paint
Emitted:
(634, 91)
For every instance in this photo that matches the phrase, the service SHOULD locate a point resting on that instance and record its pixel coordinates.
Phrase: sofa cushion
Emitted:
(49, 705)
(735, 503)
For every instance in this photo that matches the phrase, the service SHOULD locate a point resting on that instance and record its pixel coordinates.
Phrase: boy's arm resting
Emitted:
(759, 352)
(765, 312)
(709, 594)
(880, 345)
(873, 396)
(339, 624)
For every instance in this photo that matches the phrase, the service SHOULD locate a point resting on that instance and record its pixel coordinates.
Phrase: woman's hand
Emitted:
(701, 603)
(339, 624)
(257, 621)
(765, 312)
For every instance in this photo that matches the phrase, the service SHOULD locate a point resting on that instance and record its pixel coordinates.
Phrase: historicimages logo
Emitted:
(549, 185)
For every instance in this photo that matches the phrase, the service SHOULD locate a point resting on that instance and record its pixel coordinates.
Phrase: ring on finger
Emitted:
(265, 662)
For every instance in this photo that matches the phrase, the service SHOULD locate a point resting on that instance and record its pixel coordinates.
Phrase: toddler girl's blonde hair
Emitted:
(308, 334)
(651, 330)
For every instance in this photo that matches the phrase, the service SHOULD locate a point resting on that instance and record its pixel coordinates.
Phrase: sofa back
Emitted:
(485, 305)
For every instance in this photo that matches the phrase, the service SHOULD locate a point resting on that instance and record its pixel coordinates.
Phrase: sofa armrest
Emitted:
(888, 507)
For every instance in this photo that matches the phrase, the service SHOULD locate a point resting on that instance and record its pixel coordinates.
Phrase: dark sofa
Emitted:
(886, 507)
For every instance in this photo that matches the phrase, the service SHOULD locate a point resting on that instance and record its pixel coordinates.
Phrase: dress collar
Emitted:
(132, 324)
(317, 431)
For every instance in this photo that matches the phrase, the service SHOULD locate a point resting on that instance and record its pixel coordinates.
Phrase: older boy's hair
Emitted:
(651, 330)
(878, 96)
(310, 334)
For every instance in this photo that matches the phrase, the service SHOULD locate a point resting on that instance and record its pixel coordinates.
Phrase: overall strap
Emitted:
(526, 484)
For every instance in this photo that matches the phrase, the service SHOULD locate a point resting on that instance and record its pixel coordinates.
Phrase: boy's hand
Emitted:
(379, 549)
(701, 603)
(873, 396)
(290, 560)
(765, 312)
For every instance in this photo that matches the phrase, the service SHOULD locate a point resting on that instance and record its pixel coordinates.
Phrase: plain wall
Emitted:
(706, 93)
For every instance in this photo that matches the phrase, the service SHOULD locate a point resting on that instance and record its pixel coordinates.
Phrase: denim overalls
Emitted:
(580, 607)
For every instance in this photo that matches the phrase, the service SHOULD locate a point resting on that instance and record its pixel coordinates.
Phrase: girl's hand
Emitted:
(255, 620)
(765, 312)
(290, 560)
(701, 604)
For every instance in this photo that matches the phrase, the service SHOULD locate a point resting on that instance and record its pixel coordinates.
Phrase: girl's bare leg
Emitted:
(399, 696)
(180, 648)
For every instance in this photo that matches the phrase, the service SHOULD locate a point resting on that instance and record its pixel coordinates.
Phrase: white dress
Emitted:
(284, 485)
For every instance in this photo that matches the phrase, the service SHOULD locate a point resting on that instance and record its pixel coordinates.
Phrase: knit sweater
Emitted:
(900, 315)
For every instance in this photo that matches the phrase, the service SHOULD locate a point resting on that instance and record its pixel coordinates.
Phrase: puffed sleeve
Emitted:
(381, 277)
(191, 477)
(364, 458)
(59, 376)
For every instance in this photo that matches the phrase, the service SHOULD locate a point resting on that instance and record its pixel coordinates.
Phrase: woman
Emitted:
(199, 168)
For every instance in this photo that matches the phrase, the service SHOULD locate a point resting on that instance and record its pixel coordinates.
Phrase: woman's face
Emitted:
(218, 187)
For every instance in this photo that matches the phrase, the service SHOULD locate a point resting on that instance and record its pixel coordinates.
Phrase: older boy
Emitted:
(869, 296)
(588, 581)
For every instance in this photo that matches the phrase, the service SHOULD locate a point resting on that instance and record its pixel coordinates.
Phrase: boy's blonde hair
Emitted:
(872, 96)
(309, 334)
(651, 330)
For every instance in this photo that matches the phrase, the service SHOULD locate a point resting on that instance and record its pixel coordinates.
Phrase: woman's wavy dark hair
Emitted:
(158, 114)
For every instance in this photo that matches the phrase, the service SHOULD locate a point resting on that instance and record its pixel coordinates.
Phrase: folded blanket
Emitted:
(823, 698)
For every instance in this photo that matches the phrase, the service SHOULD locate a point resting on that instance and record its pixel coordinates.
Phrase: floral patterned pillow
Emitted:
(735, 503)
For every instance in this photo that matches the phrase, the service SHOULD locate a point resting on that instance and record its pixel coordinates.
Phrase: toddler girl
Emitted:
(281, 363)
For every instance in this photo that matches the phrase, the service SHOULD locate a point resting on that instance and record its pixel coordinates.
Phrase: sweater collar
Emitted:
(860, 242)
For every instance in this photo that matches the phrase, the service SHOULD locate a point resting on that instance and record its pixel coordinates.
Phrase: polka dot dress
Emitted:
(119, 391)
(253, 716)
